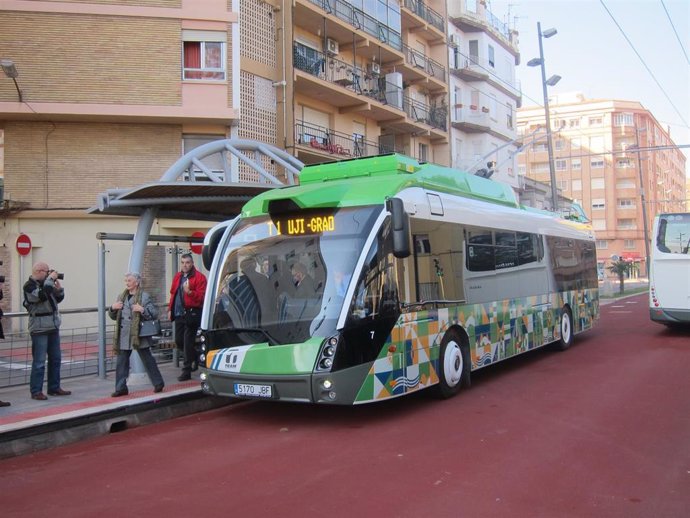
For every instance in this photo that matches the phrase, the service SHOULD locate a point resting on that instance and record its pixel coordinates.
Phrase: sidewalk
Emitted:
(29, 425)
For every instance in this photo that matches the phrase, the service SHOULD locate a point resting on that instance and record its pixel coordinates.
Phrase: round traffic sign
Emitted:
(23, 244)
(197, 247)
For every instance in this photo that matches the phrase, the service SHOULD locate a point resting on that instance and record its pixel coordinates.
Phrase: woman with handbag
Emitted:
(133, 307)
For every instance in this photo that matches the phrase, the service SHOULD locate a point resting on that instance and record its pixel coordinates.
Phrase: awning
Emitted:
(209, 201)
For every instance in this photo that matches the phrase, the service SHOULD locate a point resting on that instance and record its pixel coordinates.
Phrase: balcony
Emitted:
(417, 68)
(470, 119)
(417, 16)
(473, 68)
(484, 21)
(316, 143)
(352, 16)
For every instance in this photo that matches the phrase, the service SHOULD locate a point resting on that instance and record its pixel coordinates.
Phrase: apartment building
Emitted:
(110, 94)
(597, 163)
(483, 53)
(363, 78)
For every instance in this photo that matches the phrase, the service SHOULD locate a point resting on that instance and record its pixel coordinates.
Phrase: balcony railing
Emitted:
(434, 116)
(362, 21)
(342, 145)
(426, 13)
(419, 60)
(346, 75)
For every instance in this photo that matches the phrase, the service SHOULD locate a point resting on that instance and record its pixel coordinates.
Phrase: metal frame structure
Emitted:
(179, 194)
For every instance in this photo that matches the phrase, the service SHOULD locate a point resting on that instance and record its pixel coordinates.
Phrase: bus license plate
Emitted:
(250, 390)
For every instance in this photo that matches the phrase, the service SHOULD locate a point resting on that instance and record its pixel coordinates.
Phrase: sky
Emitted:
(593, 57)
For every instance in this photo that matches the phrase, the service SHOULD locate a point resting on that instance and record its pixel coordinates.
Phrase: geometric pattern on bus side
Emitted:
(496, 331)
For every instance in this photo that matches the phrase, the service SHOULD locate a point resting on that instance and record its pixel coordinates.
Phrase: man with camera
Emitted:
(42, 294)
(186, 301)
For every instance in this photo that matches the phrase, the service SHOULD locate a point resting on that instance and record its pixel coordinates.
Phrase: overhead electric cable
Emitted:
(643, 61)
(675, 32)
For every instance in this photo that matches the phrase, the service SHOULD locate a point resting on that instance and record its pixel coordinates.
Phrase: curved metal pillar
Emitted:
(136, 263)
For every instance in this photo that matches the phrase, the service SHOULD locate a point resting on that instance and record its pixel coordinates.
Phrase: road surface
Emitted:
(602, 429)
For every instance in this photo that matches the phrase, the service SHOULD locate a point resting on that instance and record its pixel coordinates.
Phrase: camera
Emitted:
(60, 276)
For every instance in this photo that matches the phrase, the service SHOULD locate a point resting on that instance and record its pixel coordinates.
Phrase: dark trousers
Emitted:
(185, 339)
(43, 345)
(122, 368)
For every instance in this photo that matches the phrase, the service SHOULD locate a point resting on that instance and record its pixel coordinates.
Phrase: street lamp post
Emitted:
(10, 71)
(544, 83)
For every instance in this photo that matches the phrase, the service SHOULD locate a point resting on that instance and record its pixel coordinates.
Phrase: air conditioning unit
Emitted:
(332, 47)
(374, 69)
(454, 41)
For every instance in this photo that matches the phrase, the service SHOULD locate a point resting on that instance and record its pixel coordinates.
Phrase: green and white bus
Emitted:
(377, 277)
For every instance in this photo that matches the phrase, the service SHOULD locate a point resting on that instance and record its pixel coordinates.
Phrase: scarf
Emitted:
(134, 328)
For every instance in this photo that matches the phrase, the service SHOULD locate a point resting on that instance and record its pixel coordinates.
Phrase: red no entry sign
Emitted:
(23, 244)
(197, 247)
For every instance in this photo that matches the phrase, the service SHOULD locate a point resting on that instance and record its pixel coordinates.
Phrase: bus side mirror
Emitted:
(211, 245)
(400, 223)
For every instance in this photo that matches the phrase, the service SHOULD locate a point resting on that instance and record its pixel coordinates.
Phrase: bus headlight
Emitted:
(202, 359)
(328, 351)
(203, 376)
(327, 384)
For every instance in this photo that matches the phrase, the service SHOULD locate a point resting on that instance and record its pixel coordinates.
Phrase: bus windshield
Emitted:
(674, 233)
(284, 277)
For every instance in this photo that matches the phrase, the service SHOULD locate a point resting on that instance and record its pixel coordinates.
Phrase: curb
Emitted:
(78, 428)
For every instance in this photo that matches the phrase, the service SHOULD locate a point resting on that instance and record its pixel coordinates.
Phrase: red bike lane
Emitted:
(602, 429)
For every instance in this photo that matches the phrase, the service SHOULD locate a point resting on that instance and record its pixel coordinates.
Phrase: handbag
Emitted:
(150, 328)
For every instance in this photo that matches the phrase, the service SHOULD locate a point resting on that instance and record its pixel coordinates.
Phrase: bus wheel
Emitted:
(566, 329)
(454, 365)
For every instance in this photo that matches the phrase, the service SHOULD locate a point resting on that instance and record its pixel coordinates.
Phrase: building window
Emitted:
(623, 119)
(575, 143)
(577, 185)
(574, 123)
(492, 57)
(595, 121)
(423, 152)
(596, 143)
(576, 164)
(626, 203)
(627, 224)
(597, 183)
(214, 162)
(602, 244)
(596, 163)
(599, 224)
(562, 184)
(598, 204)
(559, 144)
(540, 167)
(561, 164)
(624, 163)
(625, 184)
(204, 55)
(629, 244)
(540, 147)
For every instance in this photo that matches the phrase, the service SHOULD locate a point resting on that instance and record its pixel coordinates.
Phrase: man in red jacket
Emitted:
(186, 300)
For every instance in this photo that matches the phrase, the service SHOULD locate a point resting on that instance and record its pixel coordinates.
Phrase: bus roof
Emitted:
(369, 181)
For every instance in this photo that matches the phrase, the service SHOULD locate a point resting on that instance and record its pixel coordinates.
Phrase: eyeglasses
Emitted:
(43, 271)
